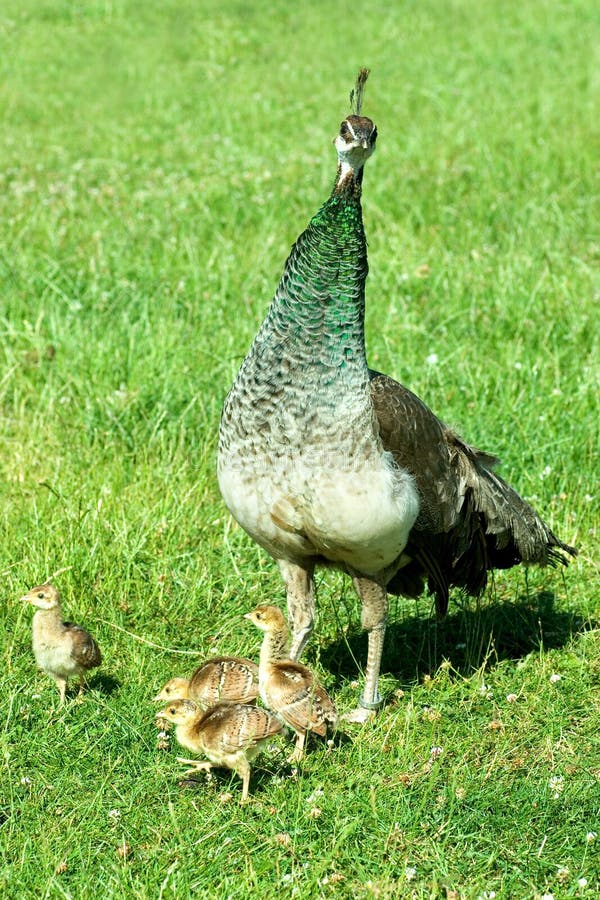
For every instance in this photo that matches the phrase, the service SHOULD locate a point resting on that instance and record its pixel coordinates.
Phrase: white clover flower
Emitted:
(410, 873)
(555, 677)
(114, 815)
(591, 837)
(511, 698)
(582, 882)
(432, 359)
(434, 752)
(556, 785)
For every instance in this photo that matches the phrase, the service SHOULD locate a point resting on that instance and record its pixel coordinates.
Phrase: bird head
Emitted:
(175, 689)
(179, 712)
(267, 618)
(44, 596)
(355, 143)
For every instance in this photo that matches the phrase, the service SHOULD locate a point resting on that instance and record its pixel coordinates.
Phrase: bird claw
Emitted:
(359, 716)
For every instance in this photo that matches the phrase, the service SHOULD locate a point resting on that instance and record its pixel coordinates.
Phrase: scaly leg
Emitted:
(373, 596)
(300, 601)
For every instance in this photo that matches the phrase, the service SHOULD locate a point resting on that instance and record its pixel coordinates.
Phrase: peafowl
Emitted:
(324, 461)
(61, 649)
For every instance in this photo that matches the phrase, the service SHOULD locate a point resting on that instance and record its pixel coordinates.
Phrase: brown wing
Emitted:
(293, 692)
(225, 678)
(231, 727)
(470, 519)
(84, 649)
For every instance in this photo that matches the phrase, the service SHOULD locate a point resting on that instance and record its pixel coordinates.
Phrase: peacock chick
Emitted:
(229, 734)
(231, 678)
(61, 648)
(288, 688)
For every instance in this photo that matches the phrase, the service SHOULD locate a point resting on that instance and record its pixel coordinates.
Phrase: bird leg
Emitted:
(81, 686)
(243, 770)
(202, 765)
(61, 684)
(373, 596)
(298, 752)
(300, 588)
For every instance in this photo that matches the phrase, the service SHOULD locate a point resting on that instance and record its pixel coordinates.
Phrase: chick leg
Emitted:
(300, 589)
(61, 684)
(374, 601)
(298, 752)
(243, 770)
(81, 686)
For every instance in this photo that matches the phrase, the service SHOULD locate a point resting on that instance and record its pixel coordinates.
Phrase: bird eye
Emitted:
(344, 130)
(40, 596)
(374, 135)
(172, 710)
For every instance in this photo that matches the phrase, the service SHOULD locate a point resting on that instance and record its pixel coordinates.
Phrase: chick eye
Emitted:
(344, 130)
(40, 596)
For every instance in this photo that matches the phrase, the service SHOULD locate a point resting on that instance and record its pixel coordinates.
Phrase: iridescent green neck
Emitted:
(321, 296)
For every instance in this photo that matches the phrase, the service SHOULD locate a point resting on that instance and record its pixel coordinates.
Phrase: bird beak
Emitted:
(158, 699)
(248, 616)
(365, 144)
(25, 599)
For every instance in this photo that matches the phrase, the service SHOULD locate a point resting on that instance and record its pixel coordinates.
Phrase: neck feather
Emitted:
(275, 646)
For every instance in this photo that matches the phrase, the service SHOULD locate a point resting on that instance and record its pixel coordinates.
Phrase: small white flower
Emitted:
(434, 752)
(556, 785)
(582, 882)
(555, 677)
(547, 470)
(547, 897)
(410, 873)
(591, 837)
(318, 792)
(432, 359)
(25, 780)
(114, 815)
(563, 873)
(518, 365)
(511, 698)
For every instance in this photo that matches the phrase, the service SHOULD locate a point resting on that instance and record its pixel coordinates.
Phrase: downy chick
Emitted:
(61, 649)
(288, 688)
(231, 678)
(229, 734)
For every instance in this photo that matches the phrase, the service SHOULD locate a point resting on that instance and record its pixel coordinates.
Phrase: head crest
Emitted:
(356, 94)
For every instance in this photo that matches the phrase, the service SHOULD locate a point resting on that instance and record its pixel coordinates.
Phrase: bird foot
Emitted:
(296, 756)
(359, 716)
(196, 765)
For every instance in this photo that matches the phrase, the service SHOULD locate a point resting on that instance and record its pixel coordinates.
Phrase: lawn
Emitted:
(157, 162)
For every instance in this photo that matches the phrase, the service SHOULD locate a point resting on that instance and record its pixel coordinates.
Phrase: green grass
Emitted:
(158, 160)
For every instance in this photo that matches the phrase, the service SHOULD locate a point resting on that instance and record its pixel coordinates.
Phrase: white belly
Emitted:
(358, 515)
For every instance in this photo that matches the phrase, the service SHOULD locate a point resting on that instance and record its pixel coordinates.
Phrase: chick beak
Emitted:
(364, 144)
(248, 616)
(158, 699)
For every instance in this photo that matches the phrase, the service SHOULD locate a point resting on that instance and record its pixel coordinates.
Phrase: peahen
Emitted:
(324, 461)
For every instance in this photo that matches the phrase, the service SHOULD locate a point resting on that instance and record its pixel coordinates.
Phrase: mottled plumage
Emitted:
(287, 688)
(61, 649)
(322, 460)
(231, 678)
(229, 734)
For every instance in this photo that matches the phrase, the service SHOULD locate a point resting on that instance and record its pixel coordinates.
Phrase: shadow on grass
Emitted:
(417, 646)
(103, 683)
